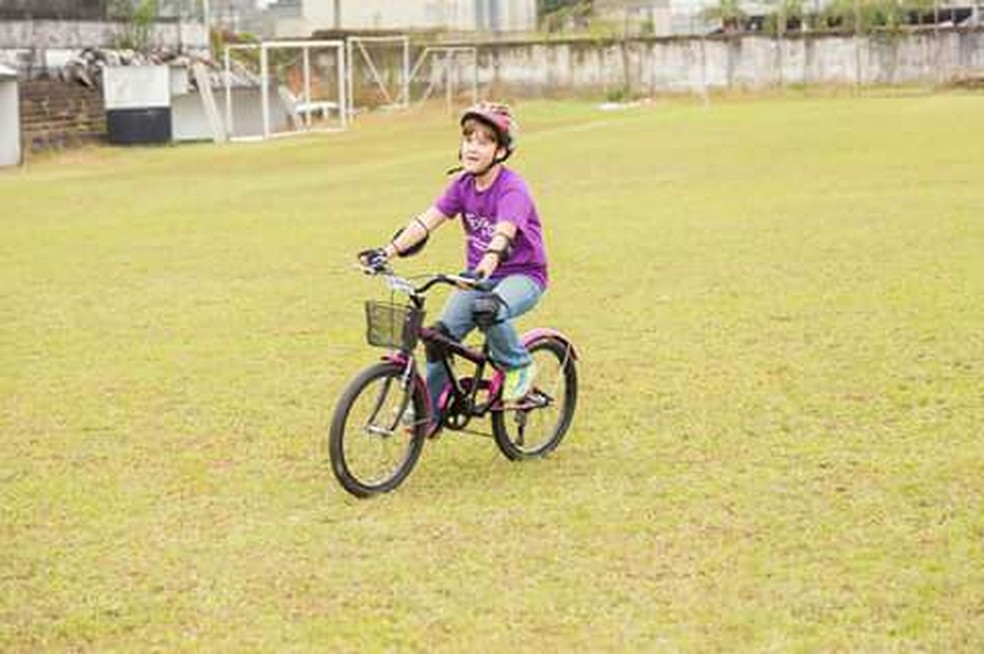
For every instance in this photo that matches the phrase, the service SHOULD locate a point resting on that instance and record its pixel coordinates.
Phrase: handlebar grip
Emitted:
(471, 282)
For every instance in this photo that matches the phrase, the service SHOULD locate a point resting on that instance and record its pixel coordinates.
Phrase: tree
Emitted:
(874, 15)
(555, 15)
(544, 7)
(729, 13)
(920, 9)
(138, 18)
(785, 12)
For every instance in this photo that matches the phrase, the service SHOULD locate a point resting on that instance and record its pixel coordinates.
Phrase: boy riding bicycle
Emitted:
(503, 244)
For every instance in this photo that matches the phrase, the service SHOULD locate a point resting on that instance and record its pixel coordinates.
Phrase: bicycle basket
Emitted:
(392, 325)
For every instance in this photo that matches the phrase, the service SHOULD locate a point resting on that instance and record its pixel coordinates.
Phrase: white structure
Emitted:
(10, 136)
(447, 63)
(234, 15)
(138, 104)
(300, 18)
(320, 56)
(359, 56)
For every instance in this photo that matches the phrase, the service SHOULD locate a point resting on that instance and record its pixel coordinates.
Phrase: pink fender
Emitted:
(528, 339)
(541, 333)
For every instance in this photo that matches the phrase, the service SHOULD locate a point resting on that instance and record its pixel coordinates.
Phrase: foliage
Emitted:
(562, 15)
(618, 94)
(545, 7)
(728, 13)
(219, 38)
(921, 10)
(785, 12)
(138, 18)
(868, 16)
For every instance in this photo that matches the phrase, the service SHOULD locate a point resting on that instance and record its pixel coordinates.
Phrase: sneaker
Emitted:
(409, 423)
(407, 418)
(518, 383)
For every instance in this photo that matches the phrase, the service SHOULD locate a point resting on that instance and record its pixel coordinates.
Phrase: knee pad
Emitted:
(485, 310)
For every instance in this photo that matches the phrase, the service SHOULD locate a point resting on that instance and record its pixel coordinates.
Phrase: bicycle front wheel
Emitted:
(376, 437)
(537, 426)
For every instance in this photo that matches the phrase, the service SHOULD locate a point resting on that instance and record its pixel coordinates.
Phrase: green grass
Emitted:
(779, 306)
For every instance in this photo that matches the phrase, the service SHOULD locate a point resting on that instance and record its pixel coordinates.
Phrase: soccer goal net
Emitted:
(448, 70)
(378, 72)
(281, 88)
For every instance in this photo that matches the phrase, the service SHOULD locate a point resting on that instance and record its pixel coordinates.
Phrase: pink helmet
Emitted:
(498, 117)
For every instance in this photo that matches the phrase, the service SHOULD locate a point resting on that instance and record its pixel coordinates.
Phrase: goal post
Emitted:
(300, 84)
(446, 64)
(380, 74)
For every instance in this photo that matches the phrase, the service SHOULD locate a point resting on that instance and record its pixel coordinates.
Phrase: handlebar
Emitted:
(405, 285)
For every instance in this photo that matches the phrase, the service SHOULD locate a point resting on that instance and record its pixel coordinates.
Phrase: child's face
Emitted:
(479, 146)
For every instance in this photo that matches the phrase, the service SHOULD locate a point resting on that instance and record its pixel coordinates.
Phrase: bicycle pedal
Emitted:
(524, 404)
(533, 400)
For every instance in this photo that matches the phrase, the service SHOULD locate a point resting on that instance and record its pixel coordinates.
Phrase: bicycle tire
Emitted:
(344, 436)
(559, 355)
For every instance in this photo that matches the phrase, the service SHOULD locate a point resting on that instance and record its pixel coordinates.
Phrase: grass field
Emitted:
(780, 309)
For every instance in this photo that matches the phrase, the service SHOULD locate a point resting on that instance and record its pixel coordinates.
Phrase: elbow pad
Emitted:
(413, 249)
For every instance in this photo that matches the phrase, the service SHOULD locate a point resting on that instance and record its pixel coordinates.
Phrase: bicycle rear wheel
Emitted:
(537, 426)
(375, 437)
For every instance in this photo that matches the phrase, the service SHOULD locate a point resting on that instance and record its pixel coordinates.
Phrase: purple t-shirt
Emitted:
(509, 200)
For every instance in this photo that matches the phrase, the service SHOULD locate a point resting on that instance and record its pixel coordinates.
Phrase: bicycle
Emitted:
(383, 416)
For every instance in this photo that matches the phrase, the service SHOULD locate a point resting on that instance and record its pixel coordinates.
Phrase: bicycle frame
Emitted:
(454, 390)
(454, 394)
(465, 400)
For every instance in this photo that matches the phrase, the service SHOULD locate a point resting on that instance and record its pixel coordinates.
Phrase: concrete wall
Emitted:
(52, 8)
(456, 15)
(10, 144)
(648, 66)
(466, 15)
(189, 122)
(72, 34)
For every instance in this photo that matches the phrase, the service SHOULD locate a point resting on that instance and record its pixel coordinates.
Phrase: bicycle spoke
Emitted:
(541, 419)
(380, 400)
(376, 456)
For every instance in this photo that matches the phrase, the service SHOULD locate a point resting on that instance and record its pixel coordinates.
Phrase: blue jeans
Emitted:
(519, 294)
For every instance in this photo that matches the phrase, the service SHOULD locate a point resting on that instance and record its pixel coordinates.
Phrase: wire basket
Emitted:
(392, 325)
